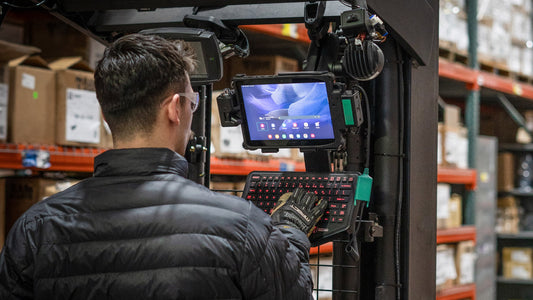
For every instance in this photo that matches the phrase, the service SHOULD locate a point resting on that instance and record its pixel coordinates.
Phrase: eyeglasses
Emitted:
(194, 97)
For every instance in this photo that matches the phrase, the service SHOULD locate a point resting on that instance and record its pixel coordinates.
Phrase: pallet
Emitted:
(449, 51)
(495, 67)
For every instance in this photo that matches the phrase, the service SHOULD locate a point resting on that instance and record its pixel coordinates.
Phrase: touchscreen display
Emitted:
(287, 111)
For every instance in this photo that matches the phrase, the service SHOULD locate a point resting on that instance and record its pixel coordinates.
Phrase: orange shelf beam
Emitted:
(473, 78)
(69, 159)
(468, 177)
(455, 235)
(324, 249)
(245, 166)
(291, 32)
(457, 72)
(467, 291)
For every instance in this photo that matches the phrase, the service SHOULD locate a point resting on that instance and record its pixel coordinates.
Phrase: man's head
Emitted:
(137, 84)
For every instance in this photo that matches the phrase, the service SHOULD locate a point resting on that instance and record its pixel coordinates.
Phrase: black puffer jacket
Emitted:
(139, 230)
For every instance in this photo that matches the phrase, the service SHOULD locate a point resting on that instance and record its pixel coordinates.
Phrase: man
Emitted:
(138, 229)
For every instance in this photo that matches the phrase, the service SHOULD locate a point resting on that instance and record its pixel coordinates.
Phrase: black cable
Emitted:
(368, 124)
(24, 7)
(397, 235)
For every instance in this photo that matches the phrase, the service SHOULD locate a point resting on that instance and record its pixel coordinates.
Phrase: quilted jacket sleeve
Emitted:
(15, 265)
(276, 262)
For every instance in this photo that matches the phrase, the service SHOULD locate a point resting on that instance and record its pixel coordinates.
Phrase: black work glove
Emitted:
(298, 210)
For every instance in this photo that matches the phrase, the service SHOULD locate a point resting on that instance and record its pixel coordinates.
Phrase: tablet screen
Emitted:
(296, 112)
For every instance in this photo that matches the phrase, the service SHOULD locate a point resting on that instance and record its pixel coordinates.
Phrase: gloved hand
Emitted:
(298, 210)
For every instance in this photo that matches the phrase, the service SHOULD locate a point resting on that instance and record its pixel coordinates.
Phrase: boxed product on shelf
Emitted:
(449, 207)
(8, 52)
(453, 138)
(455, 143)
(239, 187)
(255, 65)
(508, 215)
(443, 204)
(79, 120)
(446, 273)
(499, 124)
(455, 218)
(31, 108)
(225, 187)
(465, 259)
(517, 262)
(22, 193)
(506, 171)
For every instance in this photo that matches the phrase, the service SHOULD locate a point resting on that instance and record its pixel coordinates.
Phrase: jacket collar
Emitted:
(139, 161)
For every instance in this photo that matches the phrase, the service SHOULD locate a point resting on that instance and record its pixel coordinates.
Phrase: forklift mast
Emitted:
(402, 146)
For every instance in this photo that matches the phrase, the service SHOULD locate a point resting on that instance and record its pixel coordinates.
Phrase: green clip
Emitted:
(348, 112)
(364, 187)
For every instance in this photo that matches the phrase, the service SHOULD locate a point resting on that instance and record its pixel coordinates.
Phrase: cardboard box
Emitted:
(465, 260)
(452, 116)
(455, 151)
(508, 215)
(255, 65)
(8, 52)
(455, 205)
(22, 193)
(517, 262)
(446, 273)
(443, 205)
(31, 111)
(79, 119)
(440, 145)
(506, 171)
(224, 187)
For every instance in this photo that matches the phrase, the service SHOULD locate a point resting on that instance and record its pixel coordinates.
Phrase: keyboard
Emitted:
(264, 188)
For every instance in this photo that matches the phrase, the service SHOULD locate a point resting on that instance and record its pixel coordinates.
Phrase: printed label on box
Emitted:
(4, 93)
(467, 263)
(443, 201)
(520, 256)
(82, 122)
(28, 81)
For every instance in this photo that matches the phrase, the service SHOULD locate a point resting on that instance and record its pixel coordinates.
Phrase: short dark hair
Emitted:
(134, 76)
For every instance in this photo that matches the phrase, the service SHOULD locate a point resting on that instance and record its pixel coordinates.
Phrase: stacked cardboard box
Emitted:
(455, 264)
(449, 208)
(508, 215)
(255, 65)
(517, 262)
(31, 107)
(506, 172)
(79, 121)
(504, 32)
(453, 139)
(446, 272)
(465, 258)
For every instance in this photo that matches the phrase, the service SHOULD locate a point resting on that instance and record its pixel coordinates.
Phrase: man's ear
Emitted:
(173, 109)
